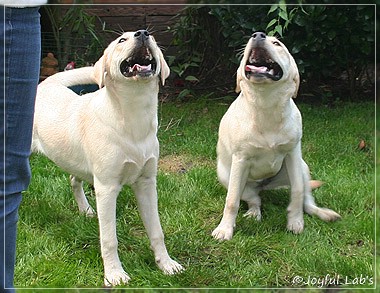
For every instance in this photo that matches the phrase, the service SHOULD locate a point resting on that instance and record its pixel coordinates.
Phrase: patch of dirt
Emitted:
(180, 164)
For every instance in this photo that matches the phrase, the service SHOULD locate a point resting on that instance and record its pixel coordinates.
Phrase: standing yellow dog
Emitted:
(108, 138)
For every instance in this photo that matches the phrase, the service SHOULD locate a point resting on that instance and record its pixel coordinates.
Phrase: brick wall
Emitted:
(117, 18)
(155, 18)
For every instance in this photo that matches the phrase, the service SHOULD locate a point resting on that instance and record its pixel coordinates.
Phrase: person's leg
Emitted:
(9, 216)
(20, 55)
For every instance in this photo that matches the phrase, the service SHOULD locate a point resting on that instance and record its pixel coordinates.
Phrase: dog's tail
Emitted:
(79, 76)
(312, 209)
(315, 184)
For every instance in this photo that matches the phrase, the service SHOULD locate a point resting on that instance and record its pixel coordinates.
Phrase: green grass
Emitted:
(59, 248)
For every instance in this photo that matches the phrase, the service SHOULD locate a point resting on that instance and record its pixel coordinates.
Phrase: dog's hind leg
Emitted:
(252, 198)
(80, 197)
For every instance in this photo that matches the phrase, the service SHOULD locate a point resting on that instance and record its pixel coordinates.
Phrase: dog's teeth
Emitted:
(271, 72)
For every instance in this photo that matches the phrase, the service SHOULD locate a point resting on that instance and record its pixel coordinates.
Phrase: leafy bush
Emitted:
(75, 35)
(201, 49)
(332, 44)
(331, 41)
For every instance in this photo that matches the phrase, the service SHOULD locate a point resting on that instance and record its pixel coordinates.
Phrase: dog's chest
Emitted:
(265, 165)
(139, 160)
(133, 169)
(265, 155)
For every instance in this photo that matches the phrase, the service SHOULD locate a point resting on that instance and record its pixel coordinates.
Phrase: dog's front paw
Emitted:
(116, 277)
(295, 225)
(169, 266)
(223, 233)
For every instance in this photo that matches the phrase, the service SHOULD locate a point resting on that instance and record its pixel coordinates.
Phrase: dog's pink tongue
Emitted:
(141, 68)
(252, 68)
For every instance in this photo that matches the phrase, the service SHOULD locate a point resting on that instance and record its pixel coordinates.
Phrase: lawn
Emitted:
(59, 248)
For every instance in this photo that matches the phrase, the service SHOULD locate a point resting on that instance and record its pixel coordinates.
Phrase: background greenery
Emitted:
(333, 45)
(73, 35)
(59, 248)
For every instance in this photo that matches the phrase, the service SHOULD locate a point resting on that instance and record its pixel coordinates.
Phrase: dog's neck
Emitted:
(134, 93)
(135, 106)
(269, 105)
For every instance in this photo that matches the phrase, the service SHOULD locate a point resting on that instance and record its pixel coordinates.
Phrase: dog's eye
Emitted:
(122, 40)
(276, 43)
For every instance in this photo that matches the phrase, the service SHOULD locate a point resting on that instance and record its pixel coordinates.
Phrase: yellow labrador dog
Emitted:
(108, 138)
(259, 144)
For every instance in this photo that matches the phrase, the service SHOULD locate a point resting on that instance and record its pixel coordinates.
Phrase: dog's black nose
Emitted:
(258, 36)
(142, 34)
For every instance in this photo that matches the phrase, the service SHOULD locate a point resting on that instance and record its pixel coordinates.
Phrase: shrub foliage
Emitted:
(334, 45)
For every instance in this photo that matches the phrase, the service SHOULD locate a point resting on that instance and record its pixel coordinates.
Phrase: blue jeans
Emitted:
(20, 35)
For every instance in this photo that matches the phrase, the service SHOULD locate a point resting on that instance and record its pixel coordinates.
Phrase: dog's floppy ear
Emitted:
(100, 70)
(296, 80)
(238, 79)
(165, 70)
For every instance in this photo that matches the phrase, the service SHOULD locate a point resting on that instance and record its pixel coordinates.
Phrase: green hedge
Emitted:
(334, 45)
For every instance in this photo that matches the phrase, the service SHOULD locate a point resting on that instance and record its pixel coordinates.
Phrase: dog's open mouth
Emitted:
(140, 63)
(260, 65)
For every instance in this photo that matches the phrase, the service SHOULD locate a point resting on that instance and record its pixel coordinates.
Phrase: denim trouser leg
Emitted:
(20, 55)
(9, 213)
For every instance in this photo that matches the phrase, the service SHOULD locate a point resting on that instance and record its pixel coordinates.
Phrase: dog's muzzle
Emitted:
(260, 64)
(141, 62)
